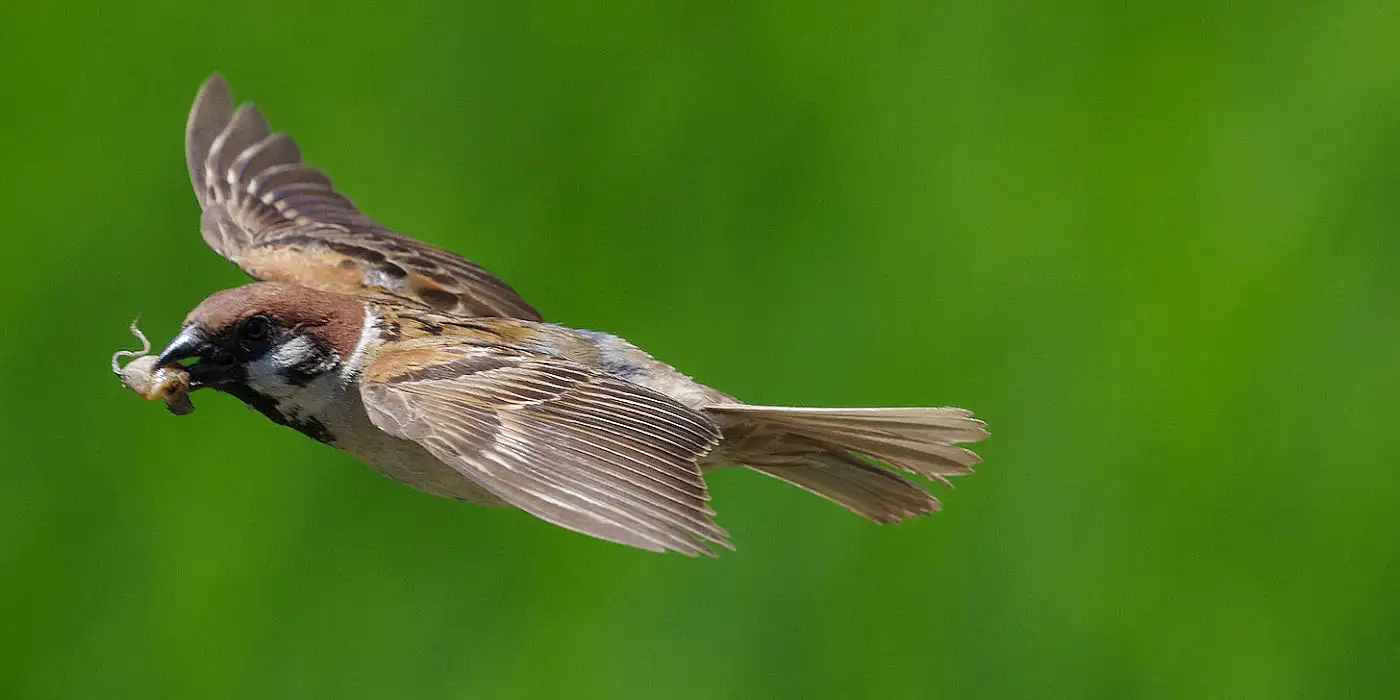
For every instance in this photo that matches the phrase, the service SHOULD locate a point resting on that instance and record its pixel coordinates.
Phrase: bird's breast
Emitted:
(404, 461)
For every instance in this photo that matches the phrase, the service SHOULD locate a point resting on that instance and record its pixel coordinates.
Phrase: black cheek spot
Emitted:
(301, 374)
(391, 270)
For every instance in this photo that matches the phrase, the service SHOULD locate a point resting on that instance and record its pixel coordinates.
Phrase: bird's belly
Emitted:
(403, 461)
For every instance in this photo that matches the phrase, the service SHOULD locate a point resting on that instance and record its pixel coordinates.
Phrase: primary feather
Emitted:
(282, 220)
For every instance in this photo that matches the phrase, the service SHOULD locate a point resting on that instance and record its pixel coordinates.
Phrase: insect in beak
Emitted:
(193, 342)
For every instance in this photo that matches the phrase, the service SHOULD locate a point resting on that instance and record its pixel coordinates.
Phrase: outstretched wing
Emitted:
(571, 445)
(282, 220)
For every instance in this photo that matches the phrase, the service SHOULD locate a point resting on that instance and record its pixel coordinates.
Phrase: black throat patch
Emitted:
(310, 427)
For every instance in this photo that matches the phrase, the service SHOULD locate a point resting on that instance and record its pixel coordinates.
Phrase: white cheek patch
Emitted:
(300, 357)
(293, 351)
(265, 374)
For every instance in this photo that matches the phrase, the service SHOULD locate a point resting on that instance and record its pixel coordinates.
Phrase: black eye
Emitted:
(256, 327)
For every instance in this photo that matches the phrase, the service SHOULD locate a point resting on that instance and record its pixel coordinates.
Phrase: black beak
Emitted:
(191, 342)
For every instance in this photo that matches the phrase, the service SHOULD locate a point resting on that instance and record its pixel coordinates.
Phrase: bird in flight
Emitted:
(437, 374)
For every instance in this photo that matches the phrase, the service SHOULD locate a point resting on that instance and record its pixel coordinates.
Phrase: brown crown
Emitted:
(336, 318)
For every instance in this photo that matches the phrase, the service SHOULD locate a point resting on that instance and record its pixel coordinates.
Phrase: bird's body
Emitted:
(438, 375)
(327, 407)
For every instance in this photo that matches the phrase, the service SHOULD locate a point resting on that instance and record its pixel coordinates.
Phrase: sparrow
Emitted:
(438, 375)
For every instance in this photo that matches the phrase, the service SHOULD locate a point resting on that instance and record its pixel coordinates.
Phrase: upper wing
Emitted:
(280, 219)
(568, 444)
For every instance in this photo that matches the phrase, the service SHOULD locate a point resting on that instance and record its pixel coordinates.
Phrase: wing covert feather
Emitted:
(573, 446)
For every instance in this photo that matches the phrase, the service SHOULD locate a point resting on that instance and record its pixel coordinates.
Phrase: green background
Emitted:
(1156, 247)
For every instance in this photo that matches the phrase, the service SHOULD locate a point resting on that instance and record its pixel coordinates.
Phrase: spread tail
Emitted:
(827, 451)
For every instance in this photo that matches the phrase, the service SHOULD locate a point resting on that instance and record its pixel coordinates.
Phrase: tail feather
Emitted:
(945, 424)
(823, 450)
(919, 440)
(845, 479)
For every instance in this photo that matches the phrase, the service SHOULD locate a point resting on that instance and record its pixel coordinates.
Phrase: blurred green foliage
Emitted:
(1154, 245)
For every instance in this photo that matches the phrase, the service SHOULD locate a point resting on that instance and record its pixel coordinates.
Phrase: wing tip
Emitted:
(209, 113)
(213, 97)
(215, 82)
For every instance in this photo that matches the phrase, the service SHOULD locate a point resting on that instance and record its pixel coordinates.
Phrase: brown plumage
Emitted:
(438, 375)
(282, 220)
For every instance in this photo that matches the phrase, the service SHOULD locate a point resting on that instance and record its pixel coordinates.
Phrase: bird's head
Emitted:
(266, 338)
